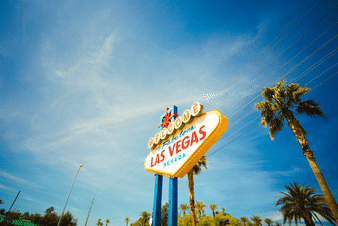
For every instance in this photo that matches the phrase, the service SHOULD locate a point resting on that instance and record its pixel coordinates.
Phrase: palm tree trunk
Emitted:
(299, 133)
(191, 196)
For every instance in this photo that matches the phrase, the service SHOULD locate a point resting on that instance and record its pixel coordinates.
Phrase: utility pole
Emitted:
(89, 210)
(13, 202)
(68, 196)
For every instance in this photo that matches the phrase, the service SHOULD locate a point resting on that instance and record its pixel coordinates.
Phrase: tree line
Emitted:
(50, 218)
(299, 203)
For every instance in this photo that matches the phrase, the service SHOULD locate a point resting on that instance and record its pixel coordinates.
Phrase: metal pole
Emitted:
(89, 210)
(156, 219)
(68, 196)
(172, 215)
(13, 202)
(157, 200)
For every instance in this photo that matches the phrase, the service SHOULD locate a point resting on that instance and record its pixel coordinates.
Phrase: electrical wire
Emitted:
(269, 49)
(324, 81)
(321, 74)
(318, 63)
(279, 80)
(334, 37)
(233, 140)
(292, 57)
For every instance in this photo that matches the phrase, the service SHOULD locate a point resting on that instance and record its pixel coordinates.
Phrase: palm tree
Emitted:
(99, 223)
(278, 224)
(50, 210)
(213, 207)
(107, 222)
(127, 220)
(303, 202)
(257, 220)
(145, 217)
(277, 106)
(199, 206)
(203, 205)
(268, 221)
(183, 207)
(244, 220)
(164, 214)
(223, 210)
(197, 169)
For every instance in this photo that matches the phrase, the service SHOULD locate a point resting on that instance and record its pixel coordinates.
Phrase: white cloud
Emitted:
(13, 178)
(19, 180)
(7, 188)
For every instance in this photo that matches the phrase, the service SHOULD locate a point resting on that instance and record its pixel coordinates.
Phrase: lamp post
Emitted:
(68, 196)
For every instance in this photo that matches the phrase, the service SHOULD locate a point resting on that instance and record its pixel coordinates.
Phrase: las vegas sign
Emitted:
(182, 143)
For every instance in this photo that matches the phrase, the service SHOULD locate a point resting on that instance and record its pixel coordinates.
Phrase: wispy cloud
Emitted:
(18, 179)
(23, 195)
(7, 188)
(13, 178)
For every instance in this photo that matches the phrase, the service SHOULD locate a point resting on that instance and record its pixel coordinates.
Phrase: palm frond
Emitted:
(310, 108)
(294, 93)
(291, 89)
(266, 111)
(276, 125)
(300, 92)
(268, 93)
(197, 168)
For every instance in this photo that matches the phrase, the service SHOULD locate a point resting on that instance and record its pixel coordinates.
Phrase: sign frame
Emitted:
(199, 151)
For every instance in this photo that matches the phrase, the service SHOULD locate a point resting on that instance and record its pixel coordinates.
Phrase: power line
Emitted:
(321, 74)
(289, 61)
(324, 81)
(328, 56)
(270, 48)
(291, 58)
(233, 140)
(239, 129)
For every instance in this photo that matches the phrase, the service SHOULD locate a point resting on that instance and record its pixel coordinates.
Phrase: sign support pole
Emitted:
(172, 215)
(157, 200)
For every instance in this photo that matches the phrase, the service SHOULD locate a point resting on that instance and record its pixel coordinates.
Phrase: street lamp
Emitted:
(68, 196)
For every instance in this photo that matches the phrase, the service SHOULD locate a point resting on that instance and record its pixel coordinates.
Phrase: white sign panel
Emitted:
(176, 155)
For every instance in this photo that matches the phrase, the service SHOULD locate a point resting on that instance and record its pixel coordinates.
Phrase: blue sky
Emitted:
(85, 83)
